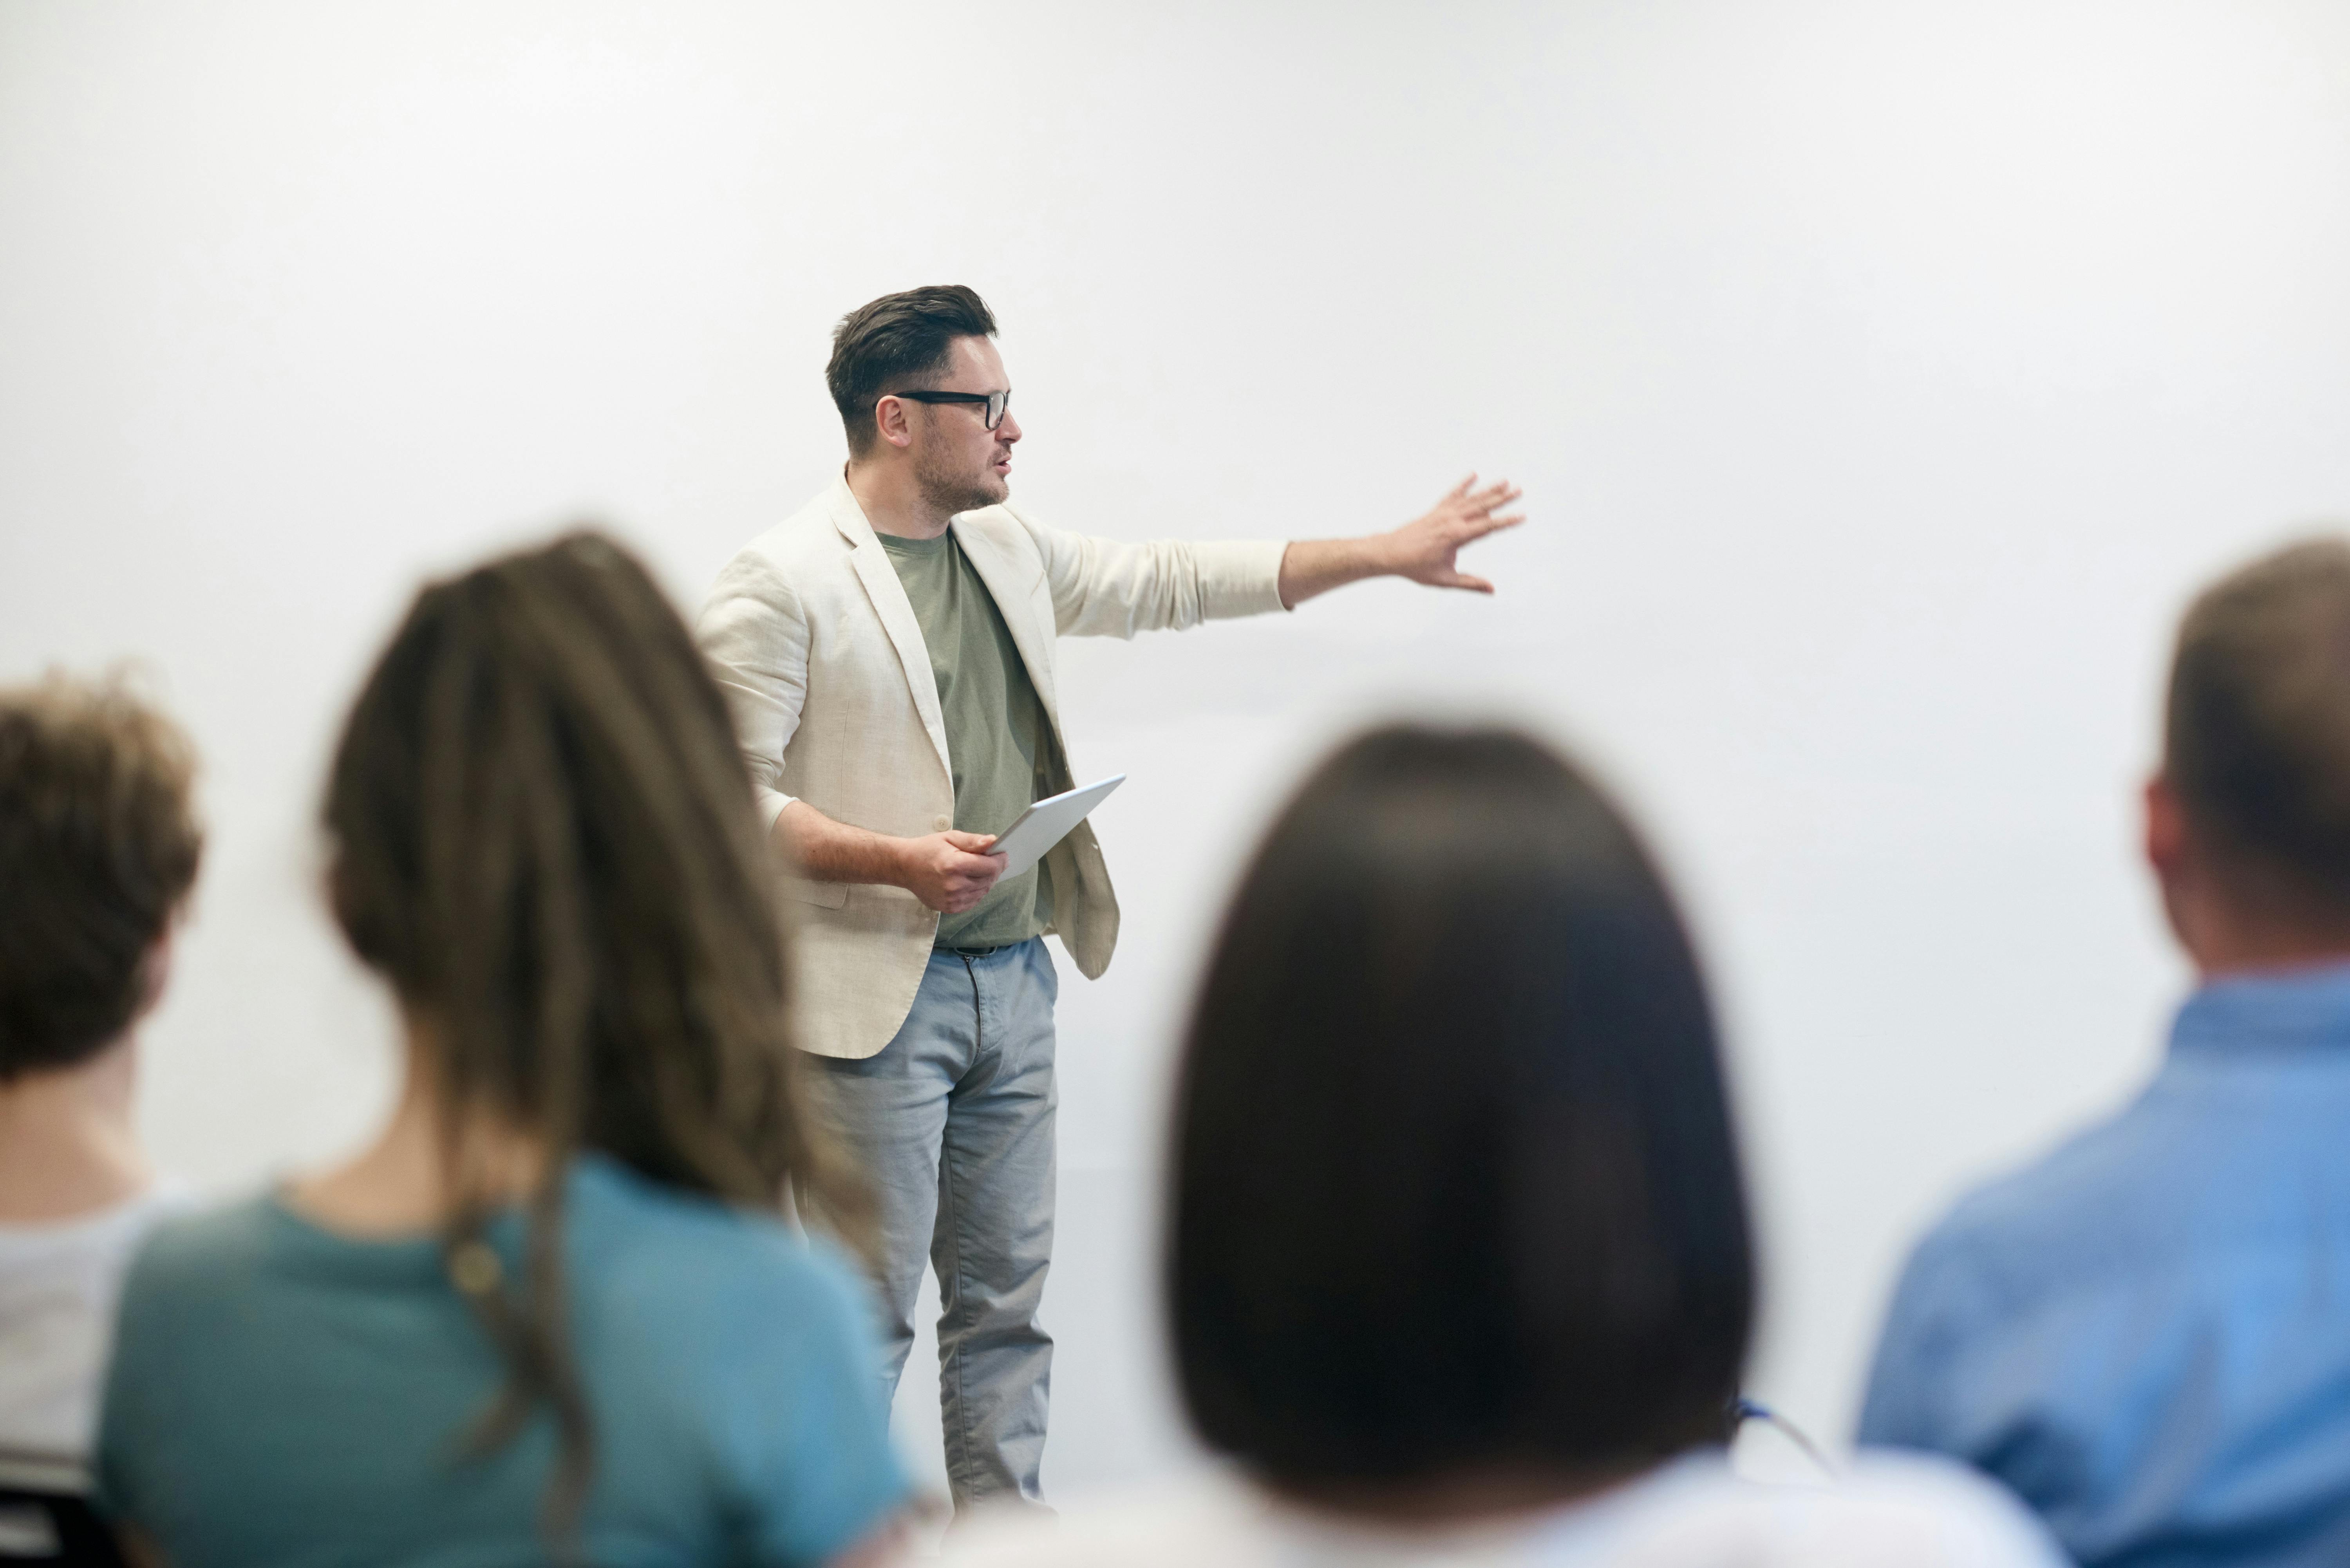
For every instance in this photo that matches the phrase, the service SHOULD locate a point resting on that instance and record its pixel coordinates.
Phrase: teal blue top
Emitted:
(283, 1394)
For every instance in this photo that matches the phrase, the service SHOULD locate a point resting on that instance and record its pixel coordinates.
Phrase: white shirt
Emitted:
(58, 1281)
(1889, 1513)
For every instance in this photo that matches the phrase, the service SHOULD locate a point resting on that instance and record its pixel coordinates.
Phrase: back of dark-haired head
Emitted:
(2257, 732)
(543, 838)
(98, 845)
(896, 344)
(1455, 1188)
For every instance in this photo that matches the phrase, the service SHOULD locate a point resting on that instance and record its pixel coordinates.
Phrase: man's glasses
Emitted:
(996, 402)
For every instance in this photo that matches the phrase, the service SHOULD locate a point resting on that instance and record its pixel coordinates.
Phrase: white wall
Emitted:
(1881, 378)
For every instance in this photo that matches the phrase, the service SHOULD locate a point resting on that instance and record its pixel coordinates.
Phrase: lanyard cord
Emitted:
(1742, 1409)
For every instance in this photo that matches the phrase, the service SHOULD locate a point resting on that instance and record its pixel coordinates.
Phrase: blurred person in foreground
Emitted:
(889, 650)
(552, 1312)
(1458, 1264)
(2146, 1334)
(98, 847)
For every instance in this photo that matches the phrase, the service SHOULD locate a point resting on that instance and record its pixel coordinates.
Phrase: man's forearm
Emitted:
(1311, 567)
(829, 851)
(1423, 550)
(949, 871)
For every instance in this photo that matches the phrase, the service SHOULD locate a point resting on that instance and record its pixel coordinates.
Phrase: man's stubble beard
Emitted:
(952, 492)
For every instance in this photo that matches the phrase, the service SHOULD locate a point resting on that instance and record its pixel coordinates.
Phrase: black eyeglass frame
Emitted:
(998, 404)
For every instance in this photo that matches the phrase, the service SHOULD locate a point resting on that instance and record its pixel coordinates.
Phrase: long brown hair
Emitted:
(543, 838)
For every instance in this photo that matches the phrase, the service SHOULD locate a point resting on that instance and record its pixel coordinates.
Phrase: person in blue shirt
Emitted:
(2147, 1335)
(554, 1313)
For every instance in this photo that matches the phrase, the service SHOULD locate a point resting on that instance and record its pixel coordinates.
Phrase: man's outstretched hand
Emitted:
(1426, 551)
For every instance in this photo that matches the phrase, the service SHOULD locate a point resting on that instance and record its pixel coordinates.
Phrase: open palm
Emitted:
(1426, 550)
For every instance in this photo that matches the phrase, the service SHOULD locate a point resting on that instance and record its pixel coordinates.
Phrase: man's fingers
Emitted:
(1485, 525)
(1462, 581)
(1485, 502)
(1469, 530)
(1461, 489)
(966, 879)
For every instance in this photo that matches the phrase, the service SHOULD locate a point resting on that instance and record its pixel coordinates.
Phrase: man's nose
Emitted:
(1009, 431)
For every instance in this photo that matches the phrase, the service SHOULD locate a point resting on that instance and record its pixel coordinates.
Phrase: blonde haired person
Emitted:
(552, 1311)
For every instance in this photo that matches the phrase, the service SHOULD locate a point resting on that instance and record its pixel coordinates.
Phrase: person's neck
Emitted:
(66, 1145)
(401, 1184)
(2237, 917)
(892, 501)
(2231, 939)
(2256, 961)
(1489, 1497)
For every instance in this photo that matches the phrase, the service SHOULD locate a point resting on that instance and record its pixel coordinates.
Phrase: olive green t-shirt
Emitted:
(997, 739)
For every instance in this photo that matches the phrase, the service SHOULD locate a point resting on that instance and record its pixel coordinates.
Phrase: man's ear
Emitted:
(2166, 829)
(155, 969)
(891, 422)
(2186, 900)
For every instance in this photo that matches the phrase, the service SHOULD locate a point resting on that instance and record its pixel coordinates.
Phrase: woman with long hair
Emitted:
(1459, 1263)
(553, 1312)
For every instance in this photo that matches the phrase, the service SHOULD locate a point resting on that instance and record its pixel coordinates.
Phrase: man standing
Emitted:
(888, 653)
(2147, 1335)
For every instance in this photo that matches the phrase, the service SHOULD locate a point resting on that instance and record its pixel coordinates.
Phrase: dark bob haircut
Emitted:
(893, 344)
(1456, 1190)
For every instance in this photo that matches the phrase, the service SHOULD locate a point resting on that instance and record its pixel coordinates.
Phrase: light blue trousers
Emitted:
(952, 1125)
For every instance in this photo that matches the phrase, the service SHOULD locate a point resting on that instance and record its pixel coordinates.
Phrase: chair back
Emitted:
(45, 1516)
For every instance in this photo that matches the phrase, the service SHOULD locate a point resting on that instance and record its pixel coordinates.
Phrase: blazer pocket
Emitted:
(828, 894)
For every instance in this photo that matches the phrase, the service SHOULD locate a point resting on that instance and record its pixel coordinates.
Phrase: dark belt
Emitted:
(975, 952)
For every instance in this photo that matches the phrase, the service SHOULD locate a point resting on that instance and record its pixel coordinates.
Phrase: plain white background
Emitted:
(1881, 378)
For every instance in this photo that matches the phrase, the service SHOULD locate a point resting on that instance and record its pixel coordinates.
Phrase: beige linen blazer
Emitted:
(823, 663)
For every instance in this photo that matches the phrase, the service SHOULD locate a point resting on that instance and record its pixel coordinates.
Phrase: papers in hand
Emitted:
(1045, 823)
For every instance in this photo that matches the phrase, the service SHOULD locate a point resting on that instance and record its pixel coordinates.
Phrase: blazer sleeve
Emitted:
(753, 632)
(1113, 587)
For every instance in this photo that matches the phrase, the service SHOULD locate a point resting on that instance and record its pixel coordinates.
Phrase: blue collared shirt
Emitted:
(2147, 1335)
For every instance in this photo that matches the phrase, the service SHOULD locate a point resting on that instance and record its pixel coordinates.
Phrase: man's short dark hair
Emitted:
(2257, 731)
(1455, 1183)
(898, 343)
(98, 846)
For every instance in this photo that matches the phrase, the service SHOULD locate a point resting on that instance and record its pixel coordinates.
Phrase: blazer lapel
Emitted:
(1013, 591)
(873, 569)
